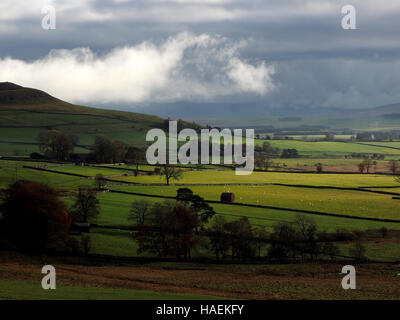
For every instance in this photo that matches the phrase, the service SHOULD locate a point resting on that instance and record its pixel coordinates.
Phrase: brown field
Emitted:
(381, 168)
(291, 281)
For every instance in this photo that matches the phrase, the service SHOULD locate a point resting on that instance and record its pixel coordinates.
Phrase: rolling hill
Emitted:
(24, 112)
(372, 119)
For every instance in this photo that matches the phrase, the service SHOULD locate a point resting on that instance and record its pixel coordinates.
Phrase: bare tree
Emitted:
(393, 166)
(136, 157)
(170, 172)
(365, 165)
(263, 160)
(139, 210)
(368, 164)
(358, 251)
(86, 205)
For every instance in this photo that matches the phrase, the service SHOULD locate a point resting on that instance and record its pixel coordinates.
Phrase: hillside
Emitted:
(24, 112)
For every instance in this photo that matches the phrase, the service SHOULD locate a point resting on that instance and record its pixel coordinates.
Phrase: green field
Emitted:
(11, 171)
(115, 211)
(87, 276)
(229, 177)
(329, 148)
(323, 200)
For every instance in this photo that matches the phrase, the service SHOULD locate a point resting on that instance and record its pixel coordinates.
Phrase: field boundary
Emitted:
(377, 145)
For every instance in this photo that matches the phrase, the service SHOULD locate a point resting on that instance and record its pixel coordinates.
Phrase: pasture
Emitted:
(330, 148)
(364, 204)
(229, 177)
(30, 290)
(209, 184)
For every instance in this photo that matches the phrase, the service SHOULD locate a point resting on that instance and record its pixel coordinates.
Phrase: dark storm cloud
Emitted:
(316, 62)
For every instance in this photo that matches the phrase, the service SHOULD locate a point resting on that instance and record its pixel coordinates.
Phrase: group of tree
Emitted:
(35, 219)
(297, 240)
(142, 209)
(182, 125)
(373, 156)
(365, 165)
(105, 150)
(264, 155)
(237, 238)
(34, 216)
(174, 228)
(165, 229)
(55, 144)
(267, 148)
(170, 228)
(289, 153)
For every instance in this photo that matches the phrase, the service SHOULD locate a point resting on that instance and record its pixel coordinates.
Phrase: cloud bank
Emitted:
(186, 66)
(138, 53)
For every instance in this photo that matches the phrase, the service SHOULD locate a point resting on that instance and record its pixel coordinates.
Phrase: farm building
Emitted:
(227, 197)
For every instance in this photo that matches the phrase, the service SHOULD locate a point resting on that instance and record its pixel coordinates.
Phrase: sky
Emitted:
(152, 54)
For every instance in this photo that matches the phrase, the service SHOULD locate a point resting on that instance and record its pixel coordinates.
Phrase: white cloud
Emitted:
(186, 66)
(251, 78)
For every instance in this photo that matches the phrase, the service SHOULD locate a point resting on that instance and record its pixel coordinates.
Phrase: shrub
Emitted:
(33, 215)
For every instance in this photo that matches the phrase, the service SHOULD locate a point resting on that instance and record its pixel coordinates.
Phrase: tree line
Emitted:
(35, 219)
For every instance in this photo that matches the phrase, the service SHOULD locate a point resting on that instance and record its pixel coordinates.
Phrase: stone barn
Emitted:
(228, 197)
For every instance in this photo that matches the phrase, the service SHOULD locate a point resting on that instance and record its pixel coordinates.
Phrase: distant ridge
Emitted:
(391, 108)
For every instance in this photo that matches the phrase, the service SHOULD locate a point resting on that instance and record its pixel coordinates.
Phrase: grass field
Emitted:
(23, 290)
(116, 207)
(112, 269)
(324, 200)
(229, 177)
(329, 148)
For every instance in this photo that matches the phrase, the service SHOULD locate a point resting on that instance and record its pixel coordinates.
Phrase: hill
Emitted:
(24, 112)
(373, 119)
